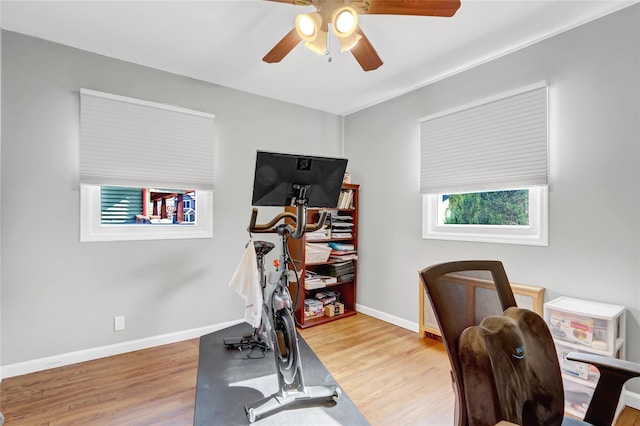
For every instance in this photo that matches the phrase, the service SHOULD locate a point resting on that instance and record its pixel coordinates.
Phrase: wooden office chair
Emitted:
(504, 364)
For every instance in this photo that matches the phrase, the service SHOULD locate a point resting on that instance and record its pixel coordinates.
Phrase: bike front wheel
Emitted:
(286, 342)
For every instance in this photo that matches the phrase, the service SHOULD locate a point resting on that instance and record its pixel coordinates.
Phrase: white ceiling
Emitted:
(223, 42)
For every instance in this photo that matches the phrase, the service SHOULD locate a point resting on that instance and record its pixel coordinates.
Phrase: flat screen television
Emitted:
(283, 179)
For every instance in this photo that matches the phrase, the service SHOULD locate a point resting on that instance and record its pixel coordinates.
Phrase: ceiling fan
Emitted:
(342, 15)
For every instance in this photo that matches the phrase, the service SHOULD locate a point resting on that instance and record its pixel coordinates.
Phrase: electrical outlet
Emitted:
(118, 323)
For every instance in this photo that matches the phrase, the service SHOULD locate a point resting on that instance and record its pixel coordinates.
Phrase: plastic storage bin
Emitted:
(600, 327)
(576, 397)
(584, 326)
(578, 370)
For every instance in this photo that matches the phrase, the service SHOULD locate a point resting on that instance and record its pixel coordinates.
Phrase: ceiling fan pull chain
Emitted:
(329, 39)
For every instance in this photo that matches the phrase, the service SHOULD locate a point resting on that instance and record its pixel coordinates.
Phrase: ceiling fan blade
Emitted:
(296, 2)
(445, 8)
(365, 54)
(283, 47)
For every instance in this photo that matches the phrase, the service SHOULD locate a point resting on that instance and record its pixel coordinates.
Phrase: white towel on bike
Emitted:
(246, 281)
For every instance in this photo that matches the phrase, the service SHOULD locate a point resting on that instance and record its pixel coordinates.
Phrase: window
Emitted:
(484, 171)
(92, 227)
(146, 206)
(508, 208)
(130, 150)
(533, 232)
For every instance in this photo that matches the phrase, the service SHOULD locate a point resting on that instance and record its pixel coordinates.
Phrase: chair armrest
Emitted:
(613, 375)
(626, 368)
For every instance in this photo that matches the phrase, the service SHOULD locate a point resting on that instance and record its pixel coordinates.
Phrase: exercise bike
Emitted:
(277, 329)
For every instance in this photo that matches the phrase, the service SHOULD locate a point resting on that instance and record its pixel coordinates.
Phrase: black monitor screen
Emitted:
(278, 177)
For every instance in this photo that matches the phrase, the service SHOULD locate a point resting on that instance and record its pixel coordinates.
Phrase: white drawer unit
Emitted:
(584, 326)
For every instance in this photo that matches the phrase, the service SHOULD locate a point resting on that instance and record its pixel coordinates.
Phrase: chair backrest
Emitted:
(510, 371)
(459, 302)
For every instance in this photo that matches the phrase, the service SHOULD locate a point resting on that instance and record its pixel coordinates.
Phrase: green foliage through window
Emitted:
(488, 208)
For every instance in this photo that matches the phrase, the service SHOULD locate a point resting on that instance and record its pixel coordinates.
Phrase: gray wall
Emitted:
(60, 295)
(593, 72)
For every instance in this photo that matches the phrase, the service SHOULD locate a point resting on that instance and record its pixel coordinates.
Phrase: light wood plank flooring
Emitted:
(394, 377)
(150, 387)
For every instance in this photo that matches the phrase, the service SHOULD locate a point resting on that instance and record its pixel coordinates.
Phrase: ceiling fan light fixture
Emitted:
(345, 21)
(308, 26)
(319, 44)
(347, 43)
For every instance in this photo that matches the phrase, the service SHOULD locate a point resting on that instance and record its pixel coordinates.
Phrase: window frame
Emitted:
(536, 233)
(92, 229)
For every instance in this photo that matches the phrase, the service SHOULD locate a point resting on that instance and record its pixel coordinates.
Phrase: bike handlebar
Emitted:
(269, 227)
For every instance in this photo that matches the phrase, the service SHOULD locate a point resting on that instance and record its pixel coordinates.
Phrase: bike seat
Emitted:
(263, 247)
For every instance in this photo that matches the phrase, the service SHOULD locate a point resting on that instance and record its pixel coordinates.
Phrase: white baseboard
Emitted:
(34, 365)
(400, 322)
(632, 399)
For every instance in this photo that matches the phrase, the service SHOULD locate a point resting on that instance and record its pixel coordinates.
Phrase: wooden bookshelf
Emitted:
(307, 260)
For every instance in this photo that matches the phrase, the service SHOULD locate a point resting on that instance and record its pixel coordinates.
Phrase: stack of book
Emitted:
(320, 234)
(313, 280)
(345, 200)
(342, 271)
(342, 252)
(327, 297)
(341, 226)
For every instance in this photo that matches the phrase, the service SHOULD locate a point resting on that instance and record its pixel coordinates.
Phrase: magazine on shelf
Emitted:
(327, 296)
(341, 235)
(313, 308)
(339, 219)
(346, 278)
(329, 280)
(341, 246)
(316, 235)
(313, 281)
(339, 268)
(340, 256)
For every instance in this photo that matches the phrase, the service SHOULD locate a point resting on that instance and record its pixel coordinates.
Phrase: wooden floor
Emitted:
(150, 387)
(394, 377)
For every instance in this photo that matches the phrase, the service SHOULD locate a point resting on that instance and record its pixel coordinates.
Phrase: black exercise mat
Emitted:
(228, 380)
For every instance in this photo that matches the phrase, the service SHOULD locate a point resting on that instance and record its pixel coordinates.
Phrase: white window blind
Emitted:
(497, 144)
(135, 143)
